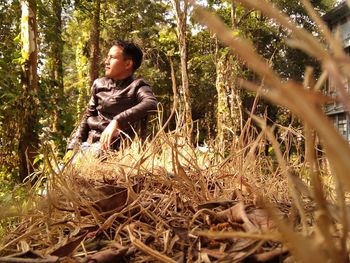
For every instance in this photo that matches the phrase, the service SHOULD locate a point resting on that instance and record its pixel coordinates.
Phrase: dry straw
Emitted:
(306, 102)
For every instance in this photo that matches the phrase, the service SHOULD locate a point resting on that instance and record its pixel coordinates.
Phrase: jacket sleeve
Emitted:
(146, 103)
(82, 132)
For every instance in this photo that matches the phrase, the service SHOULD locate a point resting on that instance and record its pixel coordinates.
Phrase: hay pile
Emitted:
(167, 206)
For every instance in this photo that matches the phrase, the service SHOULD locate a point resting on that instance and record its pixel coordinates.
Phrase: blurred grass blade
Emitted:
(288, 94)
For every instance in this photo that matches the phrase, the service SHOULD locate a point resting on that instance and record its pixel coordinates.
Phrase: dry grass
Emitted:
(328, 233)
(169, 202)
(176, 201)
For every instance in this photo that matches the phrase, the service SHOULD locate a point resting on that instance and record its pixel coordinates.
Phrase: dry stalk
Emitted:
(223, 235)
(155, 254)
(288, 94)
(306, 104)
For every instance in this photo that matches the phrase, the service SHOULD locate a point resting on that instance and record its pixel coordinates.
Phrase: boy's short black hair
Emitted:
(131, 51)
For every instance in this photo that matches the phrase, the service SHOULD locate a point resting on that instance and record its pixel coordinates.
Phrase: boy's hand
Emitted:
(111, 131)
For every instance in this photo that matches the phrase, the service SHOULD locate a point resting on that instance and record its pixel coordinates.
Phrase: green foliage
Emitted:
(289, 62)
(14, 200)
(10, 89)
(202, 75)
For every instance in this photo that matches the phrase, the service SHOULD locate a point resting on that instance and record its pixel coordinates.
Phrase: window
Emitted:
(342, 124)
(333, 118)
(348, 137)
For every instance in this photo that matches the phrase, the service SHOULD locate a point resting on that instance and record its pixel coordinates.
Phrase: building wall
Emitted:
(338, 20)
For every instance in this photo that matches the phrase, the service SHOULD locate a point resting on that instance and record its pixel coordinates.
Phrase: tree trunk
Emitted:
(181, 16)
(94, 42)
(28, 139)
(57, 69)
(229, 103)
(223, 85)
(82, 62)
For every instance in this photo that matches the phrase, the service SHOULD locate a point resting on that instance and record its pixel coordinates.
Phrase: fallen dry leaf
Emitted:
(70, 246)
(237, 214)
(113, 254)
(269, 255)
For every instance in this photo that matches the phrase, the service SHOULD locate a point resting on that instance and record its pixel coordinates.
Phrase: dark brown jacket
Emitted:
(128, 101)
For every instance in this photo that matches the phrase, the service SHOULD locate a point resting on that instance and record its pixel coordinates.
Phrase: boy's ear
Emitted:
(129, 64)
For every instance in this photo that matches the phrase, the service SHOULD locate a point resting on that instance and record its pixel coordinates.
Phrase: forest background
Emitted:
(42, 96)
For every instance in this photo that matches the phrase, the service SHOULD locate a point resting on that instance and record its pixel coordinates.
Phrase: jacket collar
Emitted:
(123, 83)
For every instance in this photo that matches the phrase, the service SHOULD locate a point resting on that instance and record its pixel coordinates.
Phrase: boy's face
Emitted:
(116, 66)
